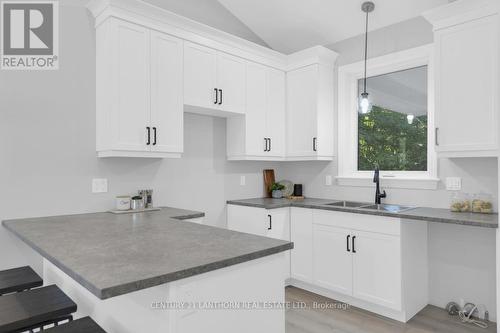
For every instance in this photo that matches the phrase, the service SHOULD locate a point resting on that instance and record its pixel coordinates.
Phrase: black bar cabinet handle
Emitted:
(436, 136)
(265, 144)
(269, 144)
(314, 144)
(348, 238)
(353, 244)
(149, 135)
(270, 222)
(154, 136)
(220, 101)
(216, 96)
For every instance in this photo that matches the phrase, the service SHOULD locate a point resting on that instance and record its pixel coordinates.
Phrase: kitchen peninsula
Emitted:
(154, 272)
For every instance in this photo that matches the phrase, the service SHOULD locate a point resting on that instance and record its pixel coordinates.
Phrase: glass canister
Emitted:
(460, 202)
(482, 203)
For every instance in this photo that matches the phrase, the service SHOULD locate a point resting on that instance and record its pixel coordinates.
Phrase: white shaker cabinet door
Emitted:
(166, 93)
(255, 116)
(200, 70)
(302, 97)
(276, 100)
(250, 220)
(467, 87)
(131, 99)
(231, 82)
(302, 237)
(278, 223)
(332, 258)
(377, 268)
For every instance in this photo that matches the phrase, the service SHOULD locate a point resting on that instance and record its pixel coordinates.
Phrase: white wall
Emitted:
(462, 259)
(48, 158)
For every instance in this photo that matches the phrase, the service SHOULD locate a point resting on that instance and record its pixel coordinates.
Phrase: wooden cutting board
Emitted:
(268, 181)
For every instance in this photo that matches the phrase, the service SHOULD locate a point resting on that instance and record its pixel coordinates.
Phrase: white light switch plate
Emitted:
(453, 183)
(99, 185)
(243, 180)
(328, 180)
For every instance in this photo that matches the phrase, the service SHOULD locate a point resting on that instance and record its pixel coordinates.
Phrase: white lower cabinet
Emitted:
(376, 268)
(332, 258)
(372, 262)
(377, 263)
(273, 223)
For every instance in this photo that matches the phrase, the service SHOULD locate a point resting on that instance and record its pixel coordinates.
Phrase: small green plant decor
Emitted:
(277, 190)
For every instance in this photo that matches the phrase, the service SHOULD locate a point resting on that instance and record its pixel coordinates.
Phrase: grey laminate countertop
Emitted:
(111, 255)
(420, 213)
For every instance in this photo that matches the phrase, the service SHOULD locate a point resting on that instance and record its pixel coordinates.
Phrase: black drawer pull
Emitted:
(154, 136)
(348, 238)
(270, 222)
(149, 135)
(353, 244)
(216, 96)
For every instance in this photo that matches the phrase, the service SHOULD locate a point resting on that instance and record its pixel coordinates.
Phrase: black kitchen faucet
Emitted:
(376, 180)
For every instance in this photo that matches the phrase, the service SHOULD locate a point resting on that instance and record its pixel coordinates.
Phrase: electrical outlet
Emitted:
(453, 183)
(243, 180)
(99, 185)
(328, 180)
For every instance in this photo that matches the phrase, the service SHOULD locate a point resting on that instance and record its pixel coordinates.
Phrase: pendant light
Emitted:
(364, 101)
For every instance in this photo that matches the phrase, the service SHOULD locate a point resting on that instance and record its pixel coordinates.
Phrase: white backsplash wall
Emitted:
(48, 157)
(478, 175)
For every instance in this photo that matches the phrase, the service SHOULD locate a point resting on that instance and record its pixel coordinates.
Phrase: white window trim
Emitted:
(348, 77)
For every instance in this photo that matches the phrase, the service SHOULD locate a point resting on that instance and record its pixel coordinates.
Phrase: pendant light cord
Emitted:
(366, 50)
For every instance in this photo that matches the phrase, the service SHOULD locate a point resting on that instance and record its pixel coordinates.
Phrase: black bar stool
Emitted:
(27, 310)
(19, 279)
(82, 325)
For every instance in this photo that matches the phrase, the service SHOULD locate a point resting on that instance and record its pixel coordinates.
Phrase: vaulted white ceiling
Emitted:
(292, 25)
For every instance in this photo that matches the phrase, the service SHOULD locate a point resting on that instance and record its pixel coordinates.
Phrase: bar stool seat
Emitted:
(34, 308)
(19, 279)
(82, 325)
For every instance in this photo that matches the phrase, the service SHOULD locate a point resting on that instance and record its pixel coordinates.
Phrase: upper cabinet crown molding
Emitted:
(160, 19)
(458, 12)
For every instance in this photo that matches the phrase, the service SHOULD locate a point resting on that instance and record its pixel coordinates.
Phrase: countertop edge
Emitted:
(174, 276)
(403, 215)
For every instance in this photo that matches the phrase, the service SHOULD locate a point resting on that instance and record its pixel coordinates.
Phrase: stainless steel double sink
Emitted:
(364, 205)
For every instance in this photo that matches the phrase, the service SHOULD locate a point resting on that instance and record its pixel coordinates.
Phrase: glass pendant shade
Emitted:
(365, 106)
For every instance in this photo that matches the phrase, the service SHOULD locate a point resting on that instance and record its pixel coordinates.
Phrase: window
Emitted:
(393, 136)
(396, 133)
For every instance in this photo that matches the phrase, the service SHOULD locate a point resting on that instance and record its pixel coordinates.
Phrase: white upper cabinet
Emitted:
(466, 79)
(200, 71)
(130, 81)
(167, 116)
(231, 83)
(310, 113)
(260, 134)
(152, 66)
(214, 82)
(139, 92)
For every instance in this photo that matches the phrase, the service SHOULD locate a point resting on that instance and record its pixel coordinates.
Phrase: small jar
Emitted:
(460, 202)
(482, 203)
(137, 203)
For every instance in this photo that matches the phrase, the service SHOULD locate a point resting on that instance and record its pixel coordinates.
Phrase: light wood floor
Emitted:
(354, 320)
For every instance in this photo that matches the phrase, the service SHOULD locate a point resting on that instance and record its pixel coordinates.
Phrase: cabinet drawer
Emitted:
(353, 221)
